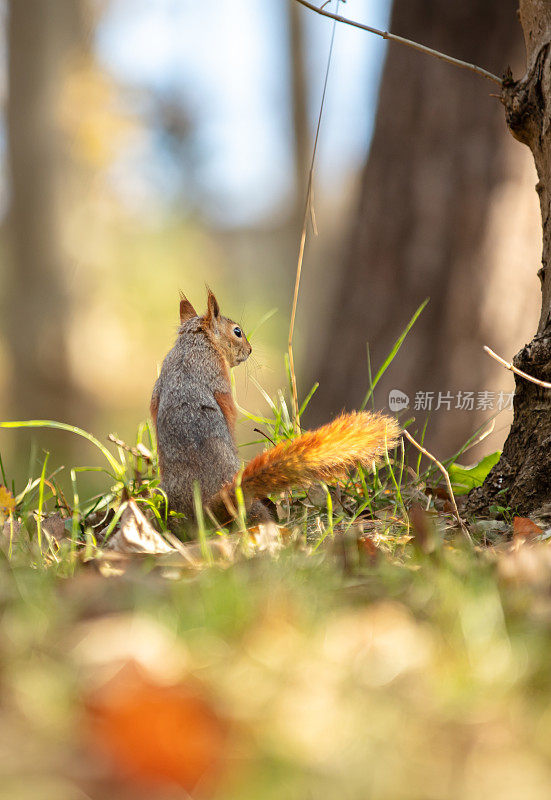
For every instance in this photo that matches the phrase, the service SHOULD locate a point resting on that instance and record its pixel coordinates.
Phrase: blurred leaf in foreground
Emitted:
(158, 733)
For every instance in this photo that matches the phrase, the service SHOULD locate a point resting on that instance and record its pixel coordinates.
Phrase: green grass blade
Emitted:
(329, 503)
(153, 508)
(41, 502)
(10, 546)
(264, 394)
(420, 454)
(326, 533)
(241, 510)
(284, 411)
(370, 375)
(96, 469)
(390, 358)
(268, 315)
(62, 426)
(309, 396)
(28, 488)
(114, 521)
(201, 532)
(288, 373)
(76, 512)
(165, 502)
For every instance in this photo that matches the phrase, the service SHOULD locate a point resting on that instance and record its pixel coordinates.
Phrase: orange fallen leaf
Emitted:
(525, 529)
(158, 733)
(367, 547)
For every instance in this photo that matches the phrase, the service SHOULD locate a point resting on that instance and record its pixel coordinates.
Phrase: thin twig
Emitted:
(140, 451)
(408, 42)
(508, 365)
(307, 209)
(444, 472)
(265, 435)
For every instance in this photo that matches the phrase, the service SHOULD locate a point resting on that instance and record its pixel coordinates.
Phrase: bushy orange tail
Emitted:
(324, 454)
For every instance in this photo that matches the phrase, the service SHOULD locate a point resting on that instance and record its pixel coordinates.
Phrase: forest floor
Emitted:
(366, 645)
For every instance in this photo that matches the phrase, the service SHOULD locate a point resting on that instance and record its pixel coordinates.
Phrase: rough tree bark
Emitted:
(523, 474)
(439, 157)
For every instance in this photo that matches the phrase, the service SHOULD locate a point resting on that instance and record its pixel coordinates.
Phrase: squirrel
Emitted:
(194, 413)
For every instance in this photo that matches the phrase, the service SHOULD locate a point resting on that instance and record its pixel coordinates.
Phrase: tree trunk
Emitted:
(299, 107)
(522, 478)
(40, 35)
(440, 156)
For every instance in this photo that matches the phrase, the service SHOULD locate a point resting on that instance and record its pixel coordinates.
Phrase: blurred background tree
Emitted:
(42, 37)
(446, 210)
(154, 146)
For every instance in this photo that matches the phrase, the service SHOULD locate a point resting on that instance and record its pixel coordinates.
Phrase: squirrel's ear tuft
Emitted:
(186, 309)
(213, 309)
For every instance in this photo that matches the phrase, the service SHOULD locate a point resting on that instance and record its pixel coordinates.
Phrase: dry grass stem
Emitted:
(308, 209)
(444, 472)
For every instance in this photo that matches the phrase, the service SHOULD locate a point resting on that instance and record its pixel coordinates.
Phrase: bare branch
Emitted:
(444, 472)
(508, 365)
(400, 39)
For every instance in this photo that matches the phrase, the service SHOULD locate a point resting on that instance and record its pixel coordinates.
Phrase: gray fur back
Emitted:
(193, 434)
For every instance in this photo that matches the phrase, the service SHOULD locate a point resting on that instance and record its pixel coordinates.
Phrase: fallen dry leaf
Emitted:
(526, 564)
(524, 528)
(158, 733)
(265, 537)
(423, 533)
(136, 535)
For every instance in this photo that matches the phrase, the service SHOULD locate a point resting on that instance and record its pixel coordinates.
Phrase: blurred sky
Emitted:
(226, 61)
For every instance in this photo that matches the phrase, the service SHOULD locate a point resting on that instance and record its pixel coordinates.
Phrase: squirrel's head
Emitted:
(226, 336)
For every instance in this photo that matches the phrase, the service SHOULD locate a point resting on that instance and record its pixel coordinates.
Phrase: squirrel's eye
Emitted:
(237, 332)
